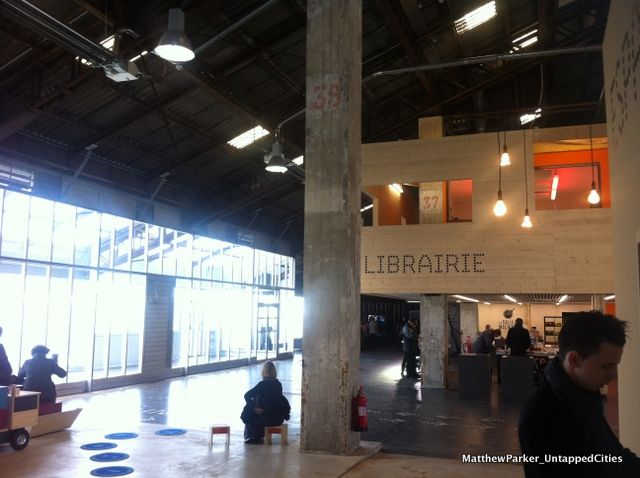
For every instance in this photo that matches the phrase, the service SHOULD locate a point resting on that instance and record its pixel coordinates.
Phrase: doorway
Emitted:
(265, 340)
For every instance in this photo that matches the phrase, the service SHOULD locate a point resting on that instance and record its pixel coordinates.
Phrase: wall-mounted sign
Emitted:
(431, 203)
(245, 237)
(453, 263)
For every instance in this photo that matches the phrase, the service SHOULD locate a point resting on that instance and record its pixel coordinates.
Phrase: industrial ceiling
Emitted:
(163, 136)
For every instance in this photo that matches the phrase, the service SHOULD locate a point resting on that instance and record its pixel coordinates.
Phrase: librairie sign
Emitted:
(441, 263)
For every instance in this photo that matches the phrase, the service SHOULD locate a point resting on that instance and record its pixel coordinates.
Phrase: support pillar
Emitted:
(597, 302)
(621, 75)
(469, 321)
(434, 341)
(331, 349)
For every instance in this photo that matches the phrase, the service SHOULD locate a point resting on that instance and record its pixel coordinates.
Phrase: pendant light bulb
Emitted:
(526, 222)
(594, 197)
(505, 160)
(500, 209)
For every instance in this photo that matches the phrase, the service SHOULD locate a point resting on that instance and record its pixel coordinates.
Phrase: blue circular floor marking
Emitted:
(109, 456)
(112, 471)
(98, 446)
(169, 432)
(121, 436)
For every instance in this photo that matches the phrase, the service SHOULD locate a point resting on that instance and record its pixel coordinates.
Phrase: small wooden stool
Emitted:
(218, 430)
(283, 430)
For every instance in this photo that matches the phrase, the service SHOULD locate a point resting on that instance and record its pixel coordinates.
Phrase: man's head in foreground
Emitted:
(591, 345)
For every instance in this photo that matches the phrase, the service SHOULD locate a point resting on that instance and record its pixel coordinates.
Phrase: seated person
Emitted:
(36, 374)
(265, 405)
(5, 367)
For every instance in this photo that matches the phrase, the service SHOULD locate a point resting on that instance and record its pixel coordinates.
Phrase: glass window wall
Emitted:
(75, 280)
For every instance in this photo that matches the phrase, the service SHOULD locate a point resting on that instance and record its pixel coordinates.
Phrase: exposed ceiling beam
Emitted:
(392, 12)
(123, 124)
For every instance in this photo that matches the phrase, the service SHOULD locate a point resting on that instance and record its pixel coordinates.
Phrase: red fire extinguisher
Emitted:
(359, 409)
(468, 346)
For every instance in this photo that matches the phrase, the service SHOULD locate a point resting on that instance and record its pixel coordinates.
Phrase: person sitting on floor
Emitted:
(265, 405)
(36, 374)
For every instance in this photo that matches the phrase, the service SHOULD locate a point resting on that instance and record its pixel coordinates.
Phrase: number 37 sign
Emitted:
(431, 203)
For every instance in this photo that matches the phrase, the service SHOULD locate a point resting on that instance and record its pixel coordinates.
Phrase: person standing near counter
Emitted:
(564, 420)
(484, 342)
(518, 339)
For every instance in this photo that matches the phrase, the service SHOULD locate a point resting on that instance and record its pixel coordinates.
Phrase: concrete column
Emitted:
(469, 320)
(434, 341)
(331, 348)
(597, 302)
(621, 75)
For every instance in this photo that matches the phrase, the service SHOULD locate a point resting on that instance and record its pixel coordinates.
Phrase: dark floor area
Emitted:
(435, 423)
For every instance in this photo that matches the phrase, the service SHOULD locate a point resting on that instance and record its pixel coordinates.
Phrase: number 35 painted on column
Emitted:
(326, 97)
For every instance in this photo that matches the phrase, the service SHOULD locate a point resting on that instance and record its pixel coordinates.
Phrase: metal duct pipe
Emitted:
(474, 60)
(41, 22)
(234, 27)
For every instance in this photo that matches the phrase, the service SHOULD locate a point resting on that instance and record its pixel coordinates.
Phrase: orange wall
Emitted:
(391, 206)
(600, 156)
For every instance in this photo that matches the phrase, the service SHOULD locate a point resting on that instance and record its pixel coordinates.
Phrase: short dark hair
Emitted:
(518, 321)
(586, 330)
(39, 350)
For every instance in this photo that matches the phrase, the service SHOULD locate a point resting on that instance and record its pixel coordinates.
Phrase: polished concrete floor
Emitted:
(434, 426)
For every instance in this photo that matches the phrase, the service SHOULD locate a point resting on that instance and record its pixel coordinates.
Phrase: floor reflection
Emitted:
(404, 417)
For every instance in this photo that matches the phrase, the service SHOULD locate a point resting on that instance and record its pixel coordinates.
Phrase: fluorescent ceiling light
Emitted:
(248, 137)
(528, 42)
(298, 161)
(413, 301)
(609, 297)
(525, 40)
(465, 298)
(16, 178)
(476, 17)
(137, 57)
(396, 187)
(487, 303)
(526, 35)
(366, 208)
(508, 297)
(529, 117)
(554, 187)
(563, 298)
(107, 43)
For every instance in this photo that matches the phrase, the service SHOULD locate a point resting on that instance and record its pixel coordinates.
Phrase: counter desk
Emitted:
(540, 357)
